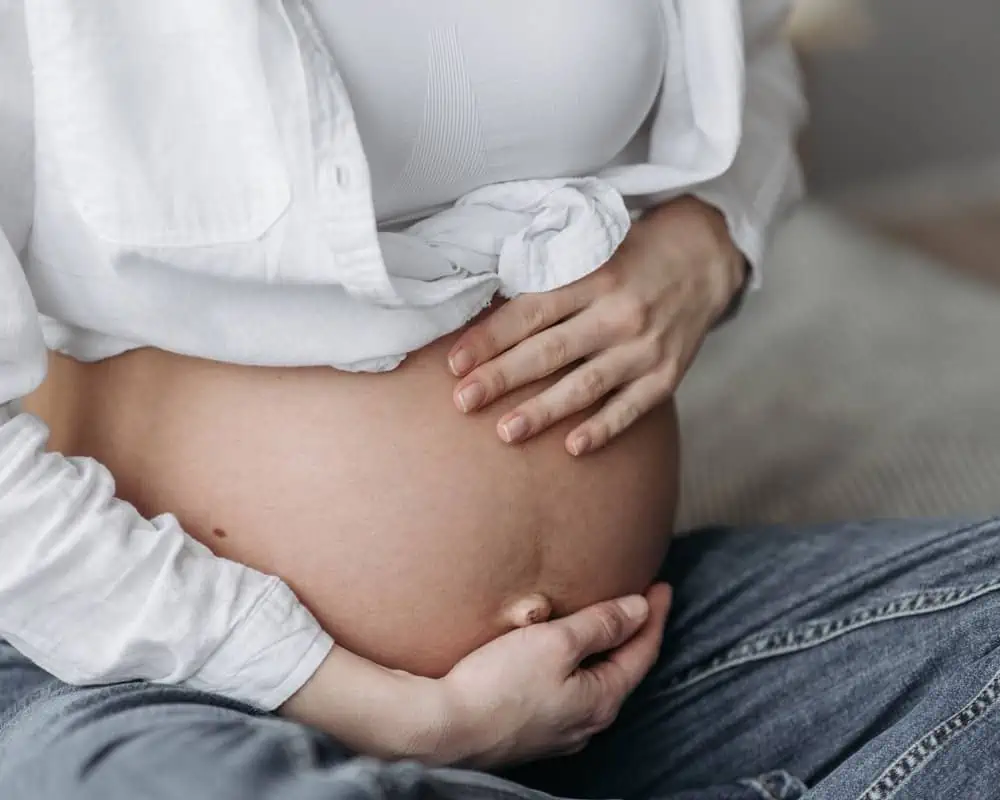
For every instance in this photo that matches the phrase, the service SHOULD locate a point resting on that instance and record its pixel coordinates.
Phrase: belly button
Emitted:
(525, 611)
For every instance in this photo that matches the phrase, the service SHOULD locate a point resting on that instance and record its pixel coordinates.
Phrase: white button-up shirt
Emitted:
(204, 157)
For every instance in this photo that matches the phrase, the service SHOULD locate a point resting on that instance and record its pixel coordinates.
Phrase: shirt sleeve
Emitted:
(765, 179)
(89, 589)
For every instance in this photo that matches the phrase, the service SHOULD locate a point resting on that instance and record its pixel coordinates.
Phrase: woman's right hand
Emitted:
(538, 691)
(545, 690)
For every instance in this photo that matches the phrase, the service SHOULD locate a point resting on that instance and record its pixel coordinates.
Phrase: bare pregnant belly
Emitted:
(411, 531)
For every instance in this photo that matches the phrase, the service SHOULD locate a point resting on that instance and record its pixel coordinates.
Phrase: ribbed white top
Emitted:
(450, 96)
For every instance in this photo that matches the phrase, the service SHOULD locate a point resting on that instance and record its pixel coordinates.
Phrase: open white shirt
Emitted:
(205, 158)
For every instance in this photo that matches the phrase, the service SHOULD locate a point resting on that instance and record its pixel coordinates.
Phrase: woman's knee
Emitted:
(138, 739)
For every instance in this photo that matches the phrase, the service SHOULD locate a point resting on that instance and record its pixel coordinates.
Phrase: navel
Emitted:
(525, 611)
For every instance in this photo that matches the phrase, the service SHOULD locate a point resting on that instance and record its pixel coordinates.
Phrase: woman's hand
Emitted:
(636, 324)
(370, 709)
(545, 690)
(534, 692)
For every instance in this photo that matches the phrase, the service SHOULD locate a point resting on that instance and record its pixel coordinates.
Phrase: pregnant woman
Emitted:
(340, 340)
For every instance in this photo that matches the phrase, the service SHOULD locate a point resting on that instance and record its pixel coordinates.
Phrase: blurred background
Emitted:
(864, 380)
(906, 118)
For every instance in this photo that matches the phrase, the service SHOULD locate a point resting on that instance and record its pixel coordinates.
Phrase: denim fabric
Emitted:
(851, 662)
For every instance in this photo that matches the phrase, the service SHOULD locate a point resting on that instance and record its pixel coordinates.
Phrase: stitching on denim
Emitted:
(25, 706)
(921, 752)
(770, 644)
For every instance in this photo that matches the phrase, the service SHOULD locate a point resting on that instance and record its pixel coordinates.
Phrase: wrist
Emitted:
(736, 298)
(690, 229)
(372, 710)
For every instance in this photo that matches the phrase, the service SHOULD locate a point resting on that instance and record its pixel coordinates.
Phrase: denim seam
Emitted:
(811, 634)
(925, 749)
(25, 706)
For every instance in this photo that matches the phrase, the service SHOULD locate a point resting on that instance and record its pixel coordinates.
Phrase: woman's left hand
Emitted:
(635, 324)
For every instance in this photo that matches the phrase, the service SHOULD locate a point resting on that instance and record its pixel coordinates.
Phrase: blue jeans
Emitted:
(856, 661)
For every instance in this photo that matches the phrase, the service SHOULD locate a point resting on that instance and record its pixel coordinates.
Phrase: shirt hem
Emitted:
(316, 653)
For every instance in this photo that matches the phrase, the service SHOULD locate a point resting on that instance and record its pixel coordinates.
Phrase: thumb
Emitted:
(602, 627)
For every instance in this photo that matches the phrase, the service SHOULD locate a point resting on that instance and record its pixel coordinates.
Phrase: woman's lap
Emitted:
(843, 655)
(826, 653)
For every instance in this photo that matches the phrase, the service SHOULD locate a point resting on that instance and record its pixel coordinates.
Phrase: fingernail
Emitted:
(460, 362)
(471, 397)
(514, 429)
(579, 445)
(635, 607)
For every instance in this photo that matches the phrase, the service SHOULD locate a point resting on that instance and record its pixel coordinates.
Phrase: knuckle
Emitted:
(628, 414)
(534, 316)
(605, 280)
(594, 384)
(606, 327)
(495, 382)
(656, 352)
(566, 642)
(554, 352)
(483, 341)
(589, 387)
(632, 316)
(610, 623)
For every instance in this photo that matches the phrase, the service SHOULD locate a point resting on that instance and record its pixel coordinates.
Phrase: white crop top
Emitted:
(450, 96)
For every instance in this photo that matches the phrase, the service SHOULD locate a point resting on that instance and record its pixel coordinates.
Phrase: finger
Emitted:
(512, 323)
(533, 359)
(599, 628)
(604, 687)
(630, 663)
(622, 410)
(582, 388)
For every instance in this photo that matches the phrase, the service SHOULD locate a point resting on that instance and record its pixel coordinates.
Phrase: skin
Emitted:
(526, 693)
(414, 538)
(521, 697)
(636, 325)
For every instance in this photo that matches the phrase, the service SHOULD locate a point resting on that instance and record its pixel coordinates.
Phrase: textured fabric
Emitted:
(864, 382)
(230, 614)
(450, 96)
(201, 186)
(205, 189)
(856, 662)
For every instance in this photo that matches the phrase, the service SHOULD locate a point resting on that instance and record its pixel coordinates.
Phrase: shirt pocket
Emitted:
(158, 121)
